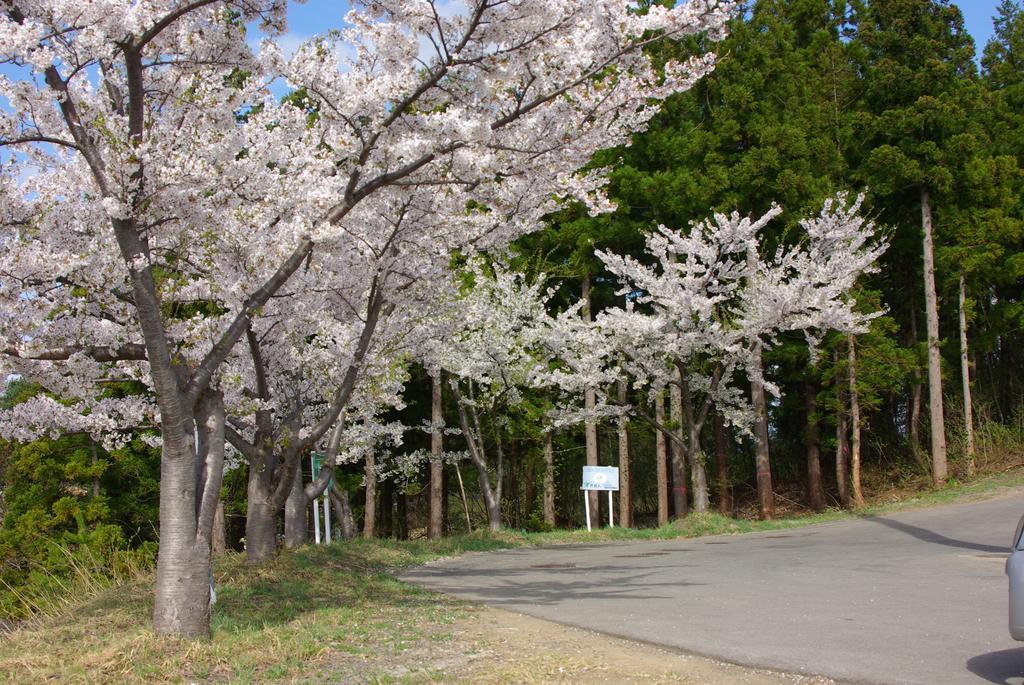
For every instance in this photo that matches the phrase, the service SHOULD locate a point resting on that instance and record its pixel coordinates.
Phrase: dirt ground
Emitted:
(490, 646)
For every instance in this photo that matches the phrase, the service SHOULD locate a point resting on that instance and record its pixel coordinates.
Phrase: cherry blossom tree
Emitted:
(707, 304)
(156, 197)
(489, 347)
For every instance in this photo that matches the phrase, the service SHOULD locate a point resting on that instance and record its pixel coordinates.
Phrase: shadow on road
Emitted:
(1005, 667)
(551, 585)
(933, 537)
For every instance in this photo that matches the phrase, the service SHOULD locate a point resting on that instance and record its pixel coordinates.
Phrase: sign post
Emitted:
(602, 479)
(315, 461)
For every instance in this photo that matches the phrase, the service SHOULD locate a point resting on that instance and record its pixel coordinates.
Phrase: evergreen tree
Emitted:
(918, 94)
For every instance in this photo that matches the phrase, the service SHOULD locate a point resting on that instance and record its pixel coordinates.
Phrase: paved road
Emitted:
(916, 597)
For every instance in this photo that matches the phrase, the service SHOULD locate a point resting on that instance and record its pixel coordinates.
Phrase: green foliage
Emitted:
(69, 506)
(536, 524)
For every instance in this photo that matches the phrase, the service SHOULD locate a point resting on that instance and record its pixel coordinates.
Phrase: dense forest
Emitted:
(898, 365)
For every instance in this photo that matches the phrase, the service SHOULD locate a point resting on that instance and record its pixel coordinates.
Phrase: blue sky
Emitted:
(978, 19)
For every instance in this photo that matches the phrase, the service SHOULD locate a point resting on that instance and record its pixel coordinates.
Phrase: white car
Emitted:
(1015, 570)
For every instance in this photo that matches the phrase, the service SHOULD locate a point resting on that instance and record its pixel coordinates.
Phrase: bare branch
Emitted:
(102, 353)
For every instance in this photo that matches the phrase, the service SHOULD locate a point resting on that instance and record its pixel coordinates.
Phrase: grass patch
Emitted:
(318, 614)
(328, 614)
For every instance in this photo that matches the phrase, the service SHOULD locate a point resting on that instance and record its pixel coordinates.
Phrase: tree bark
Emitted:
(182, 603)
(434, 526)
(722, 467)
(842, 445)
(260, 516)
(661, 456)
(680, 501)
(812, 441)
(762, 459)
(370, 509)
(549, 478)
(858, 495)
(190, 490)
(296, 532)
(965, 374)
(938, 424)
(625, 491)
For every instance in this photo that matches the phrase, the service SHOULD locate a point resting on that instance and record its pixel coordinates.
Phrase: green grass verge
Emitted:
(324, 614)
(316, 614)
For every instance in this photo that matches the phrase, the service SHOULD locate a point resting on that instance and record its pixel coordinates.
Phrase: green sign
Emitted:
(317, 462)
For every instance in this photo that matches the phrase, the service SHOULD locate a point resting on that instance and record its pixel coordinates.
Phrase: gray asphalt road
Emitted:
(916, 597)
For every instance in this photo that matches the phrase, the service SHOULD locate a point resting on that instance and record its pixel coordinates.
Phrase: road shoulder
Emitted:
(496, 646)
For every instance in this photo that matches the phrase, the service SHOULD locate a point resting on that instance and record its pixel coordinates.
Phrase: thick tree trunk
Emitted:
(965, 374)
(434, 525)
(549, 478)
(661, 456)
(625, 487)
(296, 532)
(590, 424)
(191, 475)
(842, 445)
(762, 459)
(722, 467)
(182, 597)
(219, 541)
(260, 520)
(370, 509)
(938, 424)
(680, 501)
(812, 442)
(182, 603)
(858, 494)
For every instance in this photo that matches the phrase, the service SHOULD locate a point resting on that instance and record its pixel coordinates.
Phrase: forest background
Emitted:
(809, 98)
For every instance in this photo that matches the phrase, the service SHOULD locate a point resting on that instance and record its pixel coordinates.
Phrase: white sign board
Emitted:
(603, 478)
(600, 478)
